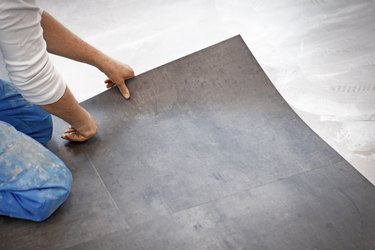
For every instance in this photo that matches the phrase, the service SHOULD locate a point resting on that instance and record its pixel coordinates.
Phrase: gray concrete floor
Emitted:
(319, 54)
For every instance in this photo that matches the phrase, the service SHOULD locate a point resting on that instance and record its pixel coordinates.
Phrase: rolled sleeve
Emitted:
(25, 52)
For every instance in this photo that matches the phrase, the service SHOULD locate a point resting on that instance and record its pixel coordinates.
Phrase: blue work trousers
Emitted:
(33, 181)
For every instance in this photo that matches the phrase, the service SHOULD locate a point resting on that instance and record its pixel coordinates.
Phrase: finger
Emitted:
(69, 130)
(74, 136)
(124, 90)
(109, 83)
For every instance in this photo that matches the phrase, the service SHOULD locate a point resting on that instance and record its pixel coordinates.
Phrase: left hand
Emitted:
(117, 73)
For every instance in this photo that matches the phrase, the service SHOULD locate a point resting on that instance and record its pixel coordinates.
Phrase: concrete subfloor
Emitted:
(319, 54)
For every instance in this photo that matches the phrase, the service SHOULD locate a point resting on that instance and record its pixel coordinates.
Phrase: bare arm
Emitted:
(62, 42)
(83, 125)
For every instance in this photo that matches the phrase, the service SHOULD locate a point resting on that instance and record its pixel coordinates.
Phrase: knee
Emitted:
(51, 198)
(36, 204)
(32, 193)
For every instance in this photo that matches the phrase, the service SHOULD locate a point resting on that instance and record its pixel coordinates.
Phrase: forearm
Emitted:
(61, 41)
(69, 110)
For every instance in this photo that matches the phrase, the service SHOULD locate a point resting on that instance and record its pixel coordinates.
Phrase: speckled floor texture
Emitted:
(319, 54)
(206, 155)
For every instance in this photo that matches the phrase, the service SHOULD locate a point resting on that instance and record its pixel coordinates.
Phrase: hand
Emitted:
(117, 73)
(82, 133)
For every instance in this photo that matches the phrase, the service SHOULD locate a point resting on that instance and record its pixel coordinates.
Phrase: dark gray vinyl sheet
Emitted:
(205, 155)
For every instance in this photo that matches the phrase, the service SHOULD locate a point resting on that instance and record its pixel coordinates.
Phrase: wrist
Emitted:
(68, 109)
(101, 62)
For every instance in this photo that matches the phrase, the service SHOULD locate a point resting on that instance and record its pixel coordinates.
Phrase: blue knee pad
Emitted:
(33, 181)
(26, 117)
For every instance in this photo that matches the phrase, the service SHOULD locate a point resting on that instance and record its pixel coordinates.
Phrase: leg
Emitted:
(33, 181)
(27, 118)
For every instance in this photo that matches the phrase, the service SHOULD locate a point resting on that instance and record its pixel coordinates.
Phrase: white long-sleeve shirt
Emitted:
(24, 52)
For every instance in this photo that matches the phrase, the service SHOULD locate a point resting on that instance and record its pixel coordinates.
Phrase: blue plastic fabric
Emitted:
(33, 181)
(27, 118)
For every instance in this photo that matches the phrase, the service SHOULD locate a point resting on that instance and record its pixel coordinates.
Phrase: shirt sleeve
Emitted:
(25, 52)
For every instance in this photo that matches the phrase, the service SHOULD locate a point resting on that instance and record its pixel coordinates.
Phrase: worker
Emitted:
(33, 181)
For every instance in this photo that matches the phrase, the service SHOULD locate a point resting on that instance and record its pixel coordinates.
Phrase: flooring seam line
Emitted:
(87, 241)
(102, 182)
(253, 188)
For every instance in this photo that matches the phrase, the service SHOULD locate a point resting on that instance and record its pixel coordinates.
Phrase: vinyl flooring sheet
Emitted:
(205, 155)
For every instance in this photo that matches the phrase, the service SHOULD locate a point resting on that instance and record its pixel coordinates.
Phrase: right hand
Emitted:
(83, 132)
